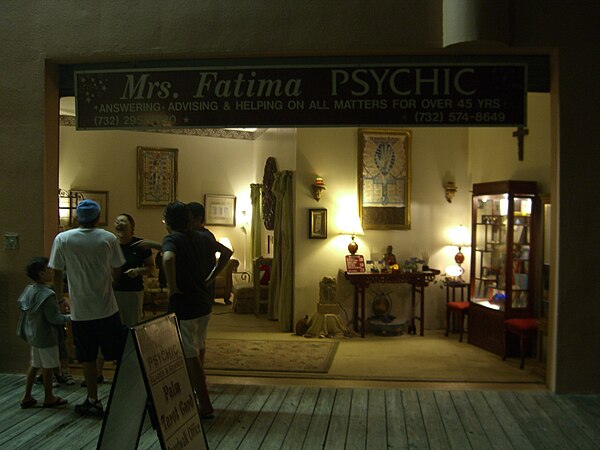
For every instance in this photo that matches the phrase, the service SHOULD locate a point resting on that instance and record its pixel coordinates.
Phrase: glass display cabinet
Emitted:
(503, 259)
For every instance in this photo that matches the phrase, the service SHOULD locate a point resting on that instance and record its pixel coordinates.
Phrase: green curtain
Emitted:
(256, 224)
(281, 287)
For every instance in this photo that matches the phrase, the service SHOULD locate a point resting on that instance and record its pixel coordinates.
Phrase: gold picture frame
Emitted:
(100, 197)
(219, 210)
(156, 176)
(384, 179)
(317, 220)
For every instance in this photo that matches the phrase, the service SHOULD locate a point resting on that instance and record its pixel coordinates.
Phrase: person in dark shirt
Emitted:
(129, 287)
(198, 217)
(188, 260)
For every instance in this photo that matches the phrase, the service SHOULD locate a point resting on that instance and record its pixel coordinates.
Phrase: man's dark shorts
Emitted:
(105, 334)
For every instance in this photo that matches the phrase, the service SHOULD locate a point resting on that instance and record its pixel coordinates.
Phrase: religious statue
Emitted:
(389, 257)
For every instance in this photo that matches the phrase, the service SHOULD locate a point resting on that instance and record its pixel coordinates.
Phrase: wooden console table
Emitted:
(418, 281)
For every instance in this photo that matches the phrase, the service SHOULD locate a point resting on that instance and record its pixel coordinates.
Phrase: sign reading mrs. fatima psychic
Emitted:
(418, 95)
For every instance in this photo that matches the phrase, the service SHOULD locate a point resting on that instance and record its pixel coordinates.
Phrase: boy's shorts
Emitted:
(45, 358)
(105, 334)
(193, 335)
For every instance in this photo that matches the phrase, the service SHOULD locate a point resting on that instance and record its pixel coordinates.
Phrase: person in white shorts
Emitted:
(39, 326)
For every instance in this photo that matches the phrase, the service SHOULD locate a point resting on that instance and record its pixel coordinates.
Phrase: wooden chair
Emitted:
(261, 282)
(224, 281)
(525, 329)
(462, 308)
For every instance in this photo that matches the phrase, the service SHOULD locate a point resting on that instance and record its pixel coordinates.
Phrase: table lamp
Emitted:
(353, 228)
(460, 238)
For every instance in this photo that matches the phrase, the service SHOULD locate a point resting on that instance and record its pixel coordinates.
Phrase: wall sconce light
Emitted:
(67, 203)
(450, 189)
(318, 187)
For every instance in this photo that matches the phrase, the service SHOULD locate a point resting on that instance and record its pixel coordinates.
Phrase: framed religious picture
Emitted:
(219, 210)
(317, 221)
(157, 176)
(384, 179)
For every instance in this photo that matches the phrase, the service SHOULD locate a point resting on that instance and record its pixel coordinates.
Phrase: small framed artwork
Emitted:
(220, 210)
(156, 176)
(317, 223)
(100, 197)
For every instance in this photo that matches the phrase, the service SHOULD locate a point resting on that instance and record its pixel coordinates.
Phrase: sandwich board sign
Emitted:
(152, 376)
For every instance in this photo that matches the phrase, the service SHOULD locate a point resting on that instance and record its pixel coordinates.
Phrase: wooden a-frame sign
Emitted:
(152, 376)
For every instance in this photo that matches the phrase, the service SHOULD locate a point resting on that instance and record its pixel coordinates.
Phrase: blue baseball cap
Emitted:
(87, 211)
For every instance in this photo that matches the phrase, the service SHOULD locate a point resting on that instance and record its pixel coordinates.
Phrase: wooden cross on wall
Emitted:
(520, 135)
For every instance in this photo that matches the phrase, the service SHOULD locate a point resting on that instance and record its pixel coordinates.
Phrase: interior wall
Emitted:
(107, 161)
(331, 153)
(493, 151)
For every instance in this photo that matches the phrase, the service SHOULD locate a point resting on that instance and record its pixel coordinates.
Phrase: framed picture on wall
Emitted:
(156, 176)
(100, 197)
(220, 210)
(317, 220)
(384, 179)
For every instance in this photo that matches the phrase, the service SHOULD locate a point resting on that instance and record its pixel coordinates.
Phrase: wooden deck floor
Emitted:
(278, 416)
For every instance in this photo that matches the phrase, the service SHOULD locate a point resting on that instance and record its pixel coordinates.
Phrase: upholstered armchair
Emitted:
(224, 281)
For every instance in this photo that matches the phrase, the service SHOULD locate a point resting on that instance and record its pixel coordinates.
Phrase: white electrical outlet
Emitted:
(11, 241)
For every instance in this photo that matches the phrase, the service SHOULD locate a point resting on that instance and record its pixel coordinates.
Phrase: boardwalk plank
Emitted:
(301, 420)
(39, 422)
(585, 421)
(319, 422)
(261, 425)
(534, 428)
(417, 435)
(509, 423)
(226, 419)
(564, 422)
(338, 425)
(436, 433)
(397, 437)
(376, 420)
(357, 424)
(540, 417)
(244, 421)
(283, 419)
(254, 417)
(489, 421)
(475, 433)
(220, 404)
(451, 420)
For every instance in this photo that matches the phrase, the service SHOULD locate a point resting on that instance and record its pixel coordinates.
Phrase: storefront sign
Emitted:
(261, 96)
(163, 363)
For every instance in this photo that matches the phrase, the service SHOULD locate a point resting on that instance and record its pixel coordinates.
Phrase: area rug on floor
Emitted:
(270, 356)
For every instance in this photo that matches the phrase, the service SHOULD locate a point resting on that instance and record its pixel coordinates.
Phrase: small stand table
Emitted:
(418, 281)
(452, 286)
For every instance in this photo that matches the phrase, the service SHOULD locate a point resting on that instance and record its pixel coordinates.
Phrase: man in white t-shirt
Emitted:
(92, 257)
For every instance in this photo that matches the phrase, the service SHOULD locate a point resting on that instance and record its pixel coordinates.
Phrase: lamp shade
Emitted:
(226, 242)
(352, 227)
(460, 237)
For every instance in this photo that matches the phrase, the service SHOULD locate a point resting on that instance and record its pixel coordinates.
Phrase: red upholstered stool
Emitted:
(462, 308)
(525, 329)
